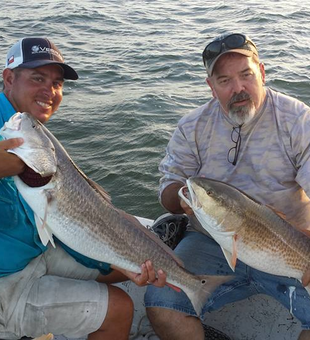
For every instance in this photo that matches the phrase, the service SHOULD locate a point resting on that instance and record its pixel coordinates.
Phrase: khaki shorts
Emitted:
(53, 294)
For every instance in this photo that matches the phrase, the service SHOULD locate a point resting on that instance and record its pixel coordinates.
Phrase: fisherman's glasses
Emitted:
(232, 41)
(233, 152)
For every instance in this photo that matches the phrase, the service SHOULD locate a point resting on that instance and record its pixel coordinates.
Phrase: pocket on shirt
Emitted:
(8, 213)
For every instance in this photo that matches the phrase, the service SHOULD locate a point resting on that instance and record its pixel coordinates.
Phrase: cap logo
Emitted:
(11, 60)
(38, 49)
(35, 49)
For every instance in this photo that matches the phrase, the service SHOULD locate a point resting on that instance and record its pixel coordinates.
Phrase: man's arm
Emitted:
(172, 202)
(10, 164)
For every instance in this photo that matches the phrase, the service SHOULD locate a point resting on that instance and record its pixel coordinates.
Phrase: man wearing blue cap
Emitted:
(256, 139)
(42, 289)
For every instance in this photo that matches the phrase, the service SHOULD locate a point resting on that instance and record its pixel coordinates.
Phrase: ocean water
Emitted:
(141, 70)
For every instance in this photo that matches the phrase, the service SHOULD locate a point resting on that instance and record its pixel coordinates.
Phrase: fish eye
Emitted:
(209, 192)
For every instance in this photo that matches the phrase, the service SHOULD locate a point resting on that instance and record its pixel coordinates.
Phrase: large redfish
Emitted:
(80, 214)
(248, 230)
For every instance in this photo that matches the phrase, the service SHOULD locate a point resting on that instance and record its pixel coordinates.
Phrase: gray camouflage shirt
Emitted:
(273, 165)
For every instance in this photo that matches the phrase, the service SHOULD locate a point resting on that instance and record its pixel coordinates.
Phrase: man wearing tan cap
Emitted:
(256, 139)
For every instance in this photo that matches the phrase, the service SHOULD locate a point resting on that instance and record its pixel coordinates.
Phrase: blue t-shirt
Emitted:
(19, 239)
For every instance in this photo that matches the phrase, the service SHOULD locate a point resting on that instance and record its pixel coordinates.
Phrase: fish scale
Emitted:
(80, 214)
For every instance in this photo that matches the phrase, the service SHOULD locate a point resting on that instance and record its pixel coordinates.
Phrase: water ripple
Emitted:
(141, 70)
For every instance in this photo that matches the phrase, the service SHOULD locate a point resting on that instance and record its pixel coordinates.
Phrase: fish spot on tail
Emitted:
(33, 179)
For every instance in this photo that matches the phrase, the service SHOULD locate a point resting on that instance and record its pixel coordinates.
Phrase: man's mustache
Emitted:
(238, 97)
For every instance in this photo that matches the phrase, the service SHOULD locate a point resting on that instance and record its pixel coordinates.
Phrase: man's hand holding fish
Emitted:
(146, 277)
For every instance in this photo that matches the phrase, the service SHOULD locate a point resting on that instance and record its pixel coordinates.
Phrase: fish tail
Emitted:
(205, 287)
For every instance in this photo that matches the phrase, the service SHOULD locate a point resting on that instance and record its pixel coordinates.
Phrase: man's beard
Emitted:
(241, 114)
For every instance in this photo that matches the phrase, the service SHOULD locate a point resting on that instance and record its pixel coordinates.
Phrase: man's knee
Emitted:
(120, 303)
(304, 335)
(120, 309)
(154, 313)
(163, 316)
(171, 325)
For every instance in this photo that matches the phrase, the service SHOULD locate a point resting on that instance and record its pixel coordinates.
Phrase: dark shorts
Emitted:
(202, 255)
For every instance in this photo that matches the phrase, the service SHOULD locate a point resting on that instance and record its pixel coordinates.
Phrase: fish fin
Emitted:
(177, 289)
(230, 258)
(234, 254)
(94, 185)
(208, 285)
(44, 231)
(98, 188)
(304, 231)
(279, 213)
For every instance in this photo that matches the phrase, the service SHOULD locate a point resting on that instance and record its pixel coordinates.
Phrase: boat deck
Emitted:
(256, 318)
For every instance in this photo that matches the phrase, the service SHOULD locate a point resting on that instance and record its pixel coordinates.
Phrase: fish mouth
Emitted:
(34, 179)
(189, 194)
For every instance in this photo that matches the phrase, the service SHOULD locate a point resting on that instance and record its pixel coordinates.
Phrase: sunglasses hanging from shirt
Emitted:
(233, 152)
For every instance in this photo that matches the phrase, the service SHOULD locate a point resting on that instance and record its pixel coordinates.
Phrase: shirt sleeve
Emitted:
(180, 161)
(300, 139)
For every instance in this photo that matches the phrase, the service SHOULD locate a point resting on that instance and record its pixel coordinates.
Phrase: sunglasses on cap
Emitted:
(224, 44)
